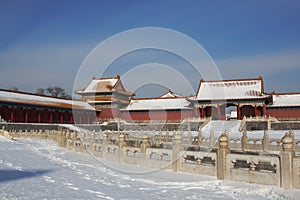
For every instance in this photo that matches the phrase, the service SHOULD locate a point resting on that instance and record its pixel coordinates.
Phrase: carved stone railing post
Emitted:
(122, 144)
(81, 149)
(200, 137)
(286, 161)
(212, 139)
(252, 166)
(73, 138)
(244, 142)
(177, 147)
(291, 132)
(190, 139)
(145, 144)
(167, 136)
(92, 141)
(266, 142)
(64, 139)
(221, 156)
(57, 138)
(68, 138)
(160, 136)
(104, 145)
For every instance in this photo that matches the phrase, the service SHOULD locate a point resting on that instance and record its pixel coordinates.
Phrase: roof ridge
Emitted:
(34, 94)
(286, 93)
(103, 78)
(230, 80)
(158, 98)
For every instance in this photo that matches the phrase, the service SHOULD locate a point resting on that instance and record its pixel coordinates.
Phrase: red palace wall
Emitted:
(284, 113)
(156, 115)
(247, 111)
(109, 113)
(28, 114)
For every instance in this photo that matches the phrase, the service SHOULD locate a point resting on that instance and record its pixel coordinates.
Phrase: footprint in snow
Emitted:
(95, 192)
(124, 186)
(48, 179)
(73, 188)
(69, 184)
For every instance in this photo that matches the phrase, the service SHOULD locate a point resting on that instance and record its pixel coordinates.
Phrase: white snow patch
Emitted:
(51, 172)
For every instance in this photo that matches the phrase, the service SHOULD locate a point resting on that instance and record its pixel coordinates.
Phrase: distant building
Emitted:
(104, 99)
(170, 106)
(247, 95)
(107, 96)
(232, 115)
(32, 108)
(285, 106)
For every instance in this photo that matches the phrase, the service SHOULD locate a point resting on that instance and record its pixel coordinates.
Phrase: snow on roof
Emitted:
(158, 104)
(170, 94)
(100, 85)
(33, 99)
(281, 100)
(231, 89)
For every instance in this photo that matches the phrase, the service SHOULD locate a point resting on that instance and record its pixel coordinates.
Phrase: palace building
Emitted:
(170, 106)
(32, 108)
(107, 96)
(245, 95)
(285, 106)
(104, 99)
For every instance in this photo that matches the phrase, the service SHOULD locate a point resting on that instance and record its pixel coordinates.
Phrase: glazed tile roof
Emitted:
(38, 100)
(104, 85)
(158, 104)
(170, 94)
(282, 100)
(231, 89)
(100, 85)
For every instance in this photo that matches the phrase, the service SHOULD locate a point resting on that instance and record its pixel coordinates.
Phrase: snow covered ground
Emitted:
(221, 126)
(39, 169)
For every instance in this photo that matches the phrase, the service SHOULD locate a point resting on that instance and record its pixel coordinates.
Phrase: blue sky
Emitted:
(43, 42)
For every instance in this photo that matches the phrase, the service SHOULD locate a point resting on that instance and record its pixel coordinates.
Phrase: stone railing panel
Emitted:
(198, 162)
(259, 169)
(131, 155)
(296, 172)
(158, 158)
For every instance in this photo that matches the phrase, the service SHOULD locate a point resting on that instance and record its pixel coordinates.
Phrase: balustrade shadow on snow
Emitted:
(12, 174)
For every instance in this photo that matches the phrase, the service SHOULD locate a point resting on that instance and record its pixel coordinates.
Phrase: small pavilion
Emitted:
(107, 96)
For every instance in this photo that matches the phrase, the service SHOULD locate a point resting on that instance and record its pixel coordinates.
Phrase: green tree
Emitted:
(54, 92)
(40, 91)
(57, 92)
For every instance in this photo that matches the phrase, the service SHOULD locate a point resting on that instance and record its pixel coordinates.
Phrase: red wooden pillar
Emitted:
(71, 118)
(51, 117)
(264, 110)
(255, 110)
(195, 111)
(88, 118)
(239, 117)
(39, 116)
(61, 117)
(80, 118)
(12, 114)
(219, 112)
(202, 112)
(26, 115)
(7, 113)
